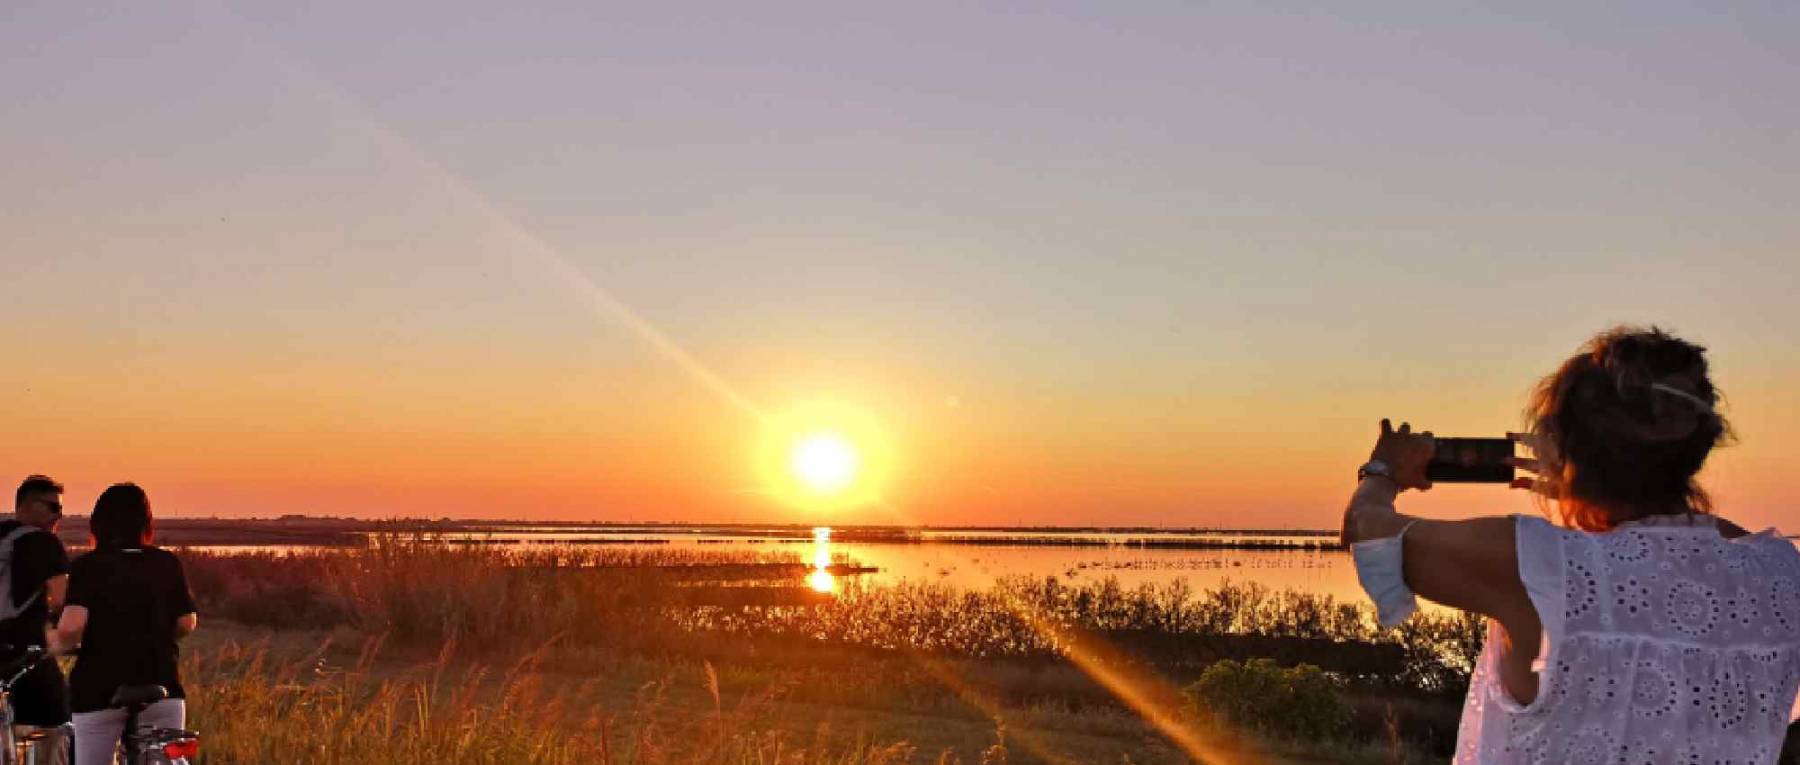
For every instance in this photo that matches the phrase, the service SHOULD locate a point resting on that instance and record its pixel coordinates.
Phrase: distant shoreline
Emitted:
(350, 532)
(302, 531)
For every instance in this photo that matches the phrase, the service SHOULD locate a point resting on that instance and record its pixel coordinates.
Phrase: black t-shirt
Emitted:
(40, 697)
(133, 597)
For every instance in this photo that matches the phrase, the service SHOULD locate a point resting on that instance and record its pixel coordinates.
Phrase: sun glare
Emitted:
(825, 462)
(821, 579)
(821, 457)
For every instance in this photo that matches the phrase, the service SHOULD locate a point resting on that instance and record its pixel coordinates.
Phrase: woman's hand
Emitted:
(1406, 454)
(65, 637)
(1371, 513)
(1538, 480)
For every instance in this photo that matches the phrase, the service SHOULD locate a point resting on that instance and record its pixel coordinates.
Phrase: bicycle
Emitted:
(142, 745)
(152, 745)
(34, 748)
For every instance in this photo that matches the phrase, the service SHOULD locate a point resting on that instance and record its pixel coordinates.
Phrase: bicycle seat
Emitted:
(138, 695)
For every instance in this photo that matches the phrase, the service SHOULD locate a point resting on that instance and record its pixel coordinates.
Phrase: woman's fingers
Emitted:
(1528, 440)
(1538, 485)
(1524, 463)
(1387, 429)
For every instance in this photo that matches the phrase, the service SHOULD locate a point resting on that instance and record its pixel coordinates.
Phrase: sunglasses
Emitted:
(54, 506)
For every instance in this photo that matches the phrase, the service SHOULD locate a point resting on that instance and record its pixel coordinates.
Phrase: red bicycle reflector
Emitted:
(185, 748)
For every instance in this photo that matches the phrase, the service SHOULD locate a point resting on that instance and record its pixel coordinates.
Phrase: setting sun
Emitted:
(825, 462)
(824, 456)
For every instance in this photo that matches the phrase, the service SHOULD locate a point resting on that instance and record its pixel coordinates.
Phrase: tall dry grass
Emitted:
(416, 592)
(504, 603)
(585, 612)
(253, 707)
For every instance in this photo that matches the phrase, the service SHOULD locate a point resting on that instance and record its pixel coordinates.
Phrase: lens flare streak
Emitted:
(528, 246)
(1153, 699)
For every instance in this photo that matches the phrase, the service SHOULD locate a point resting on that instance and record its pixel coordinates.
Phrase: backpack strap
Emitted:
(8, 544)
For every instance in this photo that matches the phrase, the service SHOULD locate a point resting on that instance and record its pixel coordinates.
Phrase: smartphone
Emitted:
(1471, 460)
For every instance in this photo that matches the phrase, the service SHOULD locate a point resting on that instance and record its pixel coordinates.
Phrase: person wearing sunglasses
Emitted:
(37, 572)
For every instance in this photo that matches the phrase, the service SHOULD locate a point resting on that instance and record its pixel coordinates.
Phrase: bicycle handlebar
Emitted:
(22, 660)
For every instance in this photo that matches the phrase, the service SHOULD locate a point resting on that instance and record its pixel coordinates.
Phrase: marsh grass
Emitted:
(253, 707)
(585, 612)
(499, 602)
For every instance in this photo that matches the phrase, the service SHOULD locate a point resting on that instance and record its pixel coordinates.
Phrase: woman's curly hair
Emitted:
(1624, 425)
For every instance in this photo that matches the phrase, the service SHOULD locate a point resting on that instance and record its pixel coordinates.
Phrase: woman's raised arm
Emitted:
(1472, 564)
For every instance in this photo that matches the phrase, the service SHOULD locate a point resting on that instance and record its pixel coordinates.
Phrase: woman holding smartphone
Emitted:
(1641, 628)
(128, 604)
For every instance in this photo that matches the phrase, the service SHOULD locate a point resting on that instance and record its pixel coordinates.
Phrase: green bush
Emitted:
(1300, 702)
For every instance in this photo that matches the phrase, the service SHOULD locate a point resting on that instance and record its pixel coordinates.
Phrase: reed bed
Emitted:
(256, 708)
(418, 592)
(609, 611)
(501, 602)
(1169, 625)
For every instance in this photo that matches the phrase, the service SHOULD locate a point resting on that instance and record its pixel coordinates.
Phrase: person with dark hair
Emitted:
(37, 567)
(1643, 629)
(128, 605)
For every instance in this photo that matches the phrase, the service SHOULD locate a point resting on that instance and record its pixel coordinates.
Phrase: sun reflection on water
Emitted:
(821, 579)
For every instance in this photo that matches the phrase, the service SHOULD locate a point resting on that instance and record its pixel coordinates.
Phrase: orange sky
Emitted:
(643, 441)
(1082, 267)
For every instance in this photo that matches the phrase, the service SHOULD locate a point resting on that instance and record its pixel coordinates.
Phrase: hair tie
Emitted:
(1682, 394)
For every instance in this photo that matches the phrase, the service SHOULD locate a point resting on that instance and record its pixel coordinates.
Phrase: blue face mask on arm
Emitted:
(1381, 572)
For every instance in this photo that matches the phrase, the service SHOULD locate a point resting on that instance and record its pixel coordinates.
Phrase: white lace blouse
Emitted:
(1663, 644)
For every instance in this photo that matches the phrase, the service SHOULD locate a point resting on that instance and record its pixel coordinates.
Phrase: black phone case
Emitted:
(1471, 460)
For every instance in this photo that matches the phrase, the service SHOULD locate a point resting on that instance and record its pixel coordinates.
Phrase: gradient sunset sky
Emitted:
(1106, 263)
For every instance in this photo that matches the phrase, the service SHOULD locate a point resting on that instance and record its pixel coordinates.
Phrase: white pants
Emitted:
(97, 734)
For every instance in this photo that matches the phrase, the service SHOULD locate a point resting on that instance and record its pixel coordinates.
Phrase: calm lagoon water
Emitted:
(974, 559)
